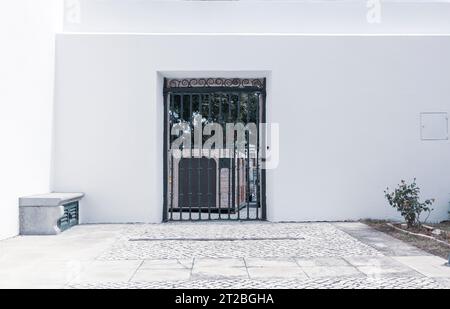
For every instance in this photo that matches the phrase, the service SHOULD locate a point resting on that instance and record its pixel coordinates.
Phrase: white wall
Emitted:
(256, 16)
(27, 29)
(348, 109)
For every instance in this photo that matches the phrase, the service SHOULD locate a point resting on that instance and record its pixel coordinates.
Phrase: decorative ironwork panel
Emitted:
(258, 83)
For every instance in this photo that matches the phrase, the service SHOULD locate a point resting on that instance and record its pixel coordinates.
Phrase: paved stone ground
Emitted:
(321, 283)
(219, 255)
(247, 239)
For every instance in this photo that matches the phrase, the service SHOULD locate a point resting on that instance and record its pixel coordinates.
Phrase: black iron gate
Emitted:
(212, 175)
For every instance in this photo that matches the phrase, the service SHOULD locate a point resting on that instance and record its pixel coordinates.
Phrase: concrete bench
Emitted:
(48, 214)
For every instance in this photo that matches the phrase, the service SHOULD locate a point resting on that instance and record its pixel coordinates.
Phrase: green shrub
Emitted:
(405, 198)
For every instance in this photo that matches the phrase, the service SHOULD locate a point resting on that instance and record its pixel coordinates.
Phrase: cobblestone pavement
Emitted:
(243, 240)
(219, 255)
(322, 283)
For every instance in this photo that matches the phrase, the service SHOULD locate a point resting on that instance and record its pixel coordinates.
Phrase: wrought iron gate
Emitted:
(213, 182)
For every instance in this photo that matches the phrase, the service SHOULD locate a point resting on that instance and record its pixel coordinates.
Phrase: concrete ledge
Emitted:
(40, 214)
(49, 199)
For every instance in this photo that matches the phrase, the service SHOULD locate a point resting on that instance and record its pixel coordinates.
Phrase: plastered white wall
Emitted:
(27, 29)
(258, 16)
(348, 109)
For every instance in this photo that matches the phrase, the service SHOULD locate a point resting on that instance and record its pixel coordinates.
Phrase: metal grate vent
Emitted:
(70, 217)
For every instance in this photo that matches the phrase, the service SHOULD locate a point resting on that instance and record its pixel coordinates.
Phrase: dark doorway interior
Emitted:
(197, 183)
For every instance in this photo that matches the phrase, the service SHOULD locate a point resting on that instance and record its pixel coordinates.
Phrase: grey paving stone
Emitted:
(382, 242)
(331, 271)
(161, 275)
(430, 266)
(318, 283)
(108, 271)
(322, 261)
(219, 262)
(167, 264)
(275, 272)
(373, 261)
(270, 262)
(215, 272)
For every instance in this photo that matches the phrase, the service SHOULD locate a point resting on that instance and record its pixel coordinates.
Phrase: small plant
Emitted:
(405, 198)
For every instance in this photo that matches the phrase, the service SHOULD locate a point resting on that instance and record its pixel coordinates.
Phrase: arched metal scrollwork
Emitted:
(215, 82)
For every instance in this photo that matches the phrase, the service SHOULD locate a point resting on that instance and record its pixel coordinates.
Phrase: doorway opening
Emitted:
(213, 149)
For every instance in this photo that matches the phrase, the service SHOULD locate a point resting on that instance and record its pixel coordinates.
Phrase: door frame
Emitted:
(192, 85)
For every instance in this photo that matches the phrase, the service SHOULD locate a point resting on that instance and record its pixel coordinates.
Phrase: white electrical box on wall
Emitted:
(434, 126)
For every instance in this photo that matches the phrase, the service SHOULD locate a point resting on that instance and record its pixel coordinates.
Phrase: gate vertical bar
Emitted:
(209, 159)
(229, 97)
(190, 159)
(165, 147)
(180, 193)
(172, 178)
(263, 170)
(258, 191)
(238, 162)
(248, 157)
(233, 167)
(220, 157)
(199, 159)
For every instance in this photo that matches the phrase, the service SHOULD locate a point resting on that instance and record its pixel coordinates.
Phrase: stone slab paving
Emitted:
(219, 255)
(430, 266)
(382, 242)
